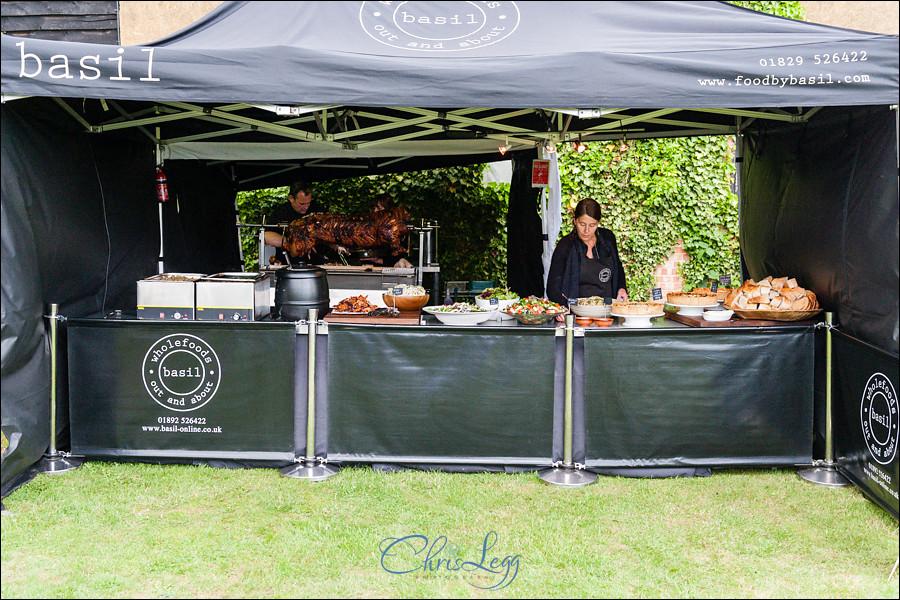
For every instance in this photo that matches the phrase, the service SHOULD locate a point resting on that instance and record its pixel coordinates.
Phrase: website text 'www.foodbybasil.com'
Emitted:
(784, 80)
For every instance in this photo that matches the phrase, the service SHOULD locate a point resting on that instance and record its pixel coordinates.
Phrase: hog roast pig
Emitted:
(381, 228)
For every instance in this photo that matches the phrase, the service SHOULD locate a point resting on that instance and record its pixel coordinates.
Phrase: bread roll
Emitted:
(800, 303)
(813, 301)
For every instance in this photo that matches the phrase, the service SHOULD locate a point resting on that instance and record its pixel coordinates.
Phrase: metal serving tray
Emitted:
(168, 296)
(233, 297)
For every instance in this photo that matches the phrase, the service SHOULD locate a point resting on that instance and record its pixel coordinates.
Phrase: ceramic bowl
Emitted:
(717, 315)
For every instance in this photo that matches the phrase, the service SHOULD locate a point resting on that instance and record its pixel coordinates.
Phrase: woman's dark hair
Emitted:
(589, 207)
(299, 186)
(384, 200)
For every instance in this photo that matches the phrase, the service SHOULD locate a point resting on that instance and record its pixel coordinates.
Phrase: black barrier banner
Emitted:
(437, 394)
(674, 397)
(182, 389)
(866, 418)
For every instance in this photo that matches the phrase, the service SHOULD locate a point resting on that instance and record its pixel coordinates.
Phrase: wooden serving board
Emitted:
(352, 268)
(733, 322)
(404, 318)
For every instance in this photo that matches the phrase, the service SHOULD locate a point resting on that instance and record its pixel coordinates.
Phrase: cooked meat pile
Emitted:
(354, 304)
(380, 228)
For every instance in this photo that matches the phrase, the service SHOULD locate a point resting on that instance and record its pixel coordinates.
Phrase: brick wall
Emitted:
(666, 274)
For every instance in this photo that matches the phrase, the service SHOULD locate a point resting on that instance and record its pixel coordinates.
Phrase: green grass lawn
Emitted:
(110, 530)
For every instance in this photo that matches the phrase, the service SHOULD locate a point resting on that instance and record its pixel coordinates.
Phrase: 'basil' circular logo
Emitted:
(181, 372)
(605, 274)
(439, 26)
(878, 416)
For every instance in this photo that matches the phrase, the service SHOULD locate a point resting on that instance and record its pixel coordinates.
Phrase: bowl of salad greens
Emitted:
(535, 311)
(499, 299)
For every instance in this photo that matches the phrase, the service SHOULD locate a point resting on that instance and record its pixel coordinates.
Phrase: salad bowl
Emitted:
(498, 299)
(535, 311)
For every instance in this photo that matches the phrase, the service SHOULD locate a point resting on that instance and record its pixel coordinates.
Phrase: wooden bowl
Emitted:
(405, 302)
(583, 321)
(603, 322)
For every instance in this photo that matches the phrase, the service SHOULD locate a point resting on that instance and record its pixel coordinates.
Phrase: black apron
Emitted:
(596, 276)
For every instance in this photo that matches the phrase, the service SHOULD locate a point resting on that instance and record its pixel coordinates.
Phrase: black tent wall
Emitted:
(199, 220)
(819, 202)
(80, 226)
(525, 271)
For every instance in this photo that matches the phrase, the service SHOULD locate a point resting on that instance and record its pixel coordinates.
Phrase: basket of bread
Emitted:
(773, 298)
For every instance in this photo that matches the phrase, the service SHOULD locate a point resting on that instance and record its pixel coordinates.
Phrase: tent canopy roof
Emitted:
(370, 85)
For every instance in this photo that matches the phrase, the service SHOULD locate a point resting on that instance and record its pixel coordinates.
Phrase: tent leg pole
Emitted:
(311, 467)
(825, 473)
(54, 461)
(568, 474)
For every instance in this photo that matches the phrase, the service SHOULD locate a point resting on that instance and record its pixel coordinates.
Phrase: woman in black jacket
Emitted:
(586, 261)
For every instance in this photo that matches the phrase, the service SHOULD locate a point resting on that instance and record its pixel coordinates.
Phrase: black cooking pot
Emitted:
(299, 289)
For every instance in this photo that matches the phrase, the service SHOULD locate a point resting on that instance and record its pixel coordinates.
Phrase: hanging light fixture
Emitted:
(580, 147)
(504, 147)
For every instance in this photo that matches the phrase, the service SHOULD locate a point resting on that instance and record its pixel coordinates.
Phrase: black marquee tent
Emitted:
(256, 94)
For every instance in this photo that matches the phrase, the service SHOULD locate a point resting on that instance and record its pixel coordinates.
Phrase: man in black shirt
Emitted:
(299, 204)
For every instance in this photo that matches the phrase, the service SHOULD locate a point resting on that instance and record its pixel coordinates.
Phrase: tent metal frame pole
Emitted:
(160, 261)
(423, 122)
(54, 461)
(738, 165)
(310, 467)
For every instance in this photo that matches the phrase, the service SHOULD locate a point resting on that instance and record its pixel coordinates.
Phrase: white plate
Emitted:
(469, 318)
(692, 310)
(637, 320)
(717, 315)
(501, 306)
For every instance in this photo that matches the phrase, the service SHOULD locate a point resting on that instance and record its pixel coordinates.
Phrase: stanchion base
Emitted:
(309, 471)
(54, 464)
(563, 477)
(824, 475)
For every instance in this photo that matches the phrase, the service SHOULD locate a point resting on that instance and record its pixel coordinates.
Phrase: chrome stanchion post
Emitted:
(54, 461)
(568, 474)
(825, 473)
(311, 467)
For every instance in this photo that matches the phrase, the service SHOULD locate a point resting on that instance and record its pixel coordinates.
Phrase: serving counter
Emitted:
(491, 394)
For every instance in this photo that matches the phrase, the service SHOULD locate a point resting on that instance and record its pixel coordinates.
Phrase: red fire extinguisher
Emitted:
(162, 186)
